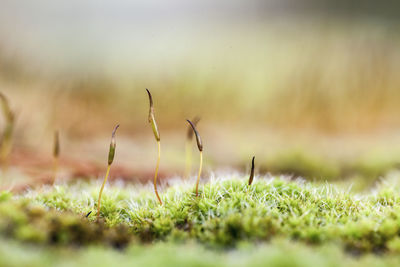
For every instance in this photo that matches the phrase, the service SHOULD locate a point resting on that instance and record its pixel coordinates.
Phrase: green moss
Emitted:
(33, 223)
(228, 213)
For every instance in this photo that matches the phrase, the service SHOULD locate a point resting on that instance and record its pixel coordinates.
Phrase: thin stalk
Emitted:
(199, 174)
(156, 172)
(200, 147)
(101, 191)
(156, 133)
(188, 150)
(111, 155)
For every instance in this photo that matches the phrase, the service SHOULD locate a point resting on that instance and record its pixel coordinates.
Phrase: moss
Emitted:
(38, 224)
(227, 213)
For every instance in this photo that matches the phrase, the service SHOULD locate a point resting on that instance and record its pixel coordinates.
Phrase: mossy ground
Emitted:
(229, 224)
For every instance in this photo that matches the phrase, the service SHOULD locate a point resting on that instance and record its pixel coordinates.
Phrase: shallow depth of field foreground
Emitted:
(274, 221)
(199, 133)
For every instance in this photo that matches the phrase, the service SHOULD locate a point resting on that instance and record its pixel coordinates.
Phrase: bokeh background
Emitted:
(311, 88)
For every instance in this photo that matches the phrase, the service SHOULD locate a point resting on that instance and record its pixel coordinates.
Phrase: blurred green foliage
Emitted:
(366, 169)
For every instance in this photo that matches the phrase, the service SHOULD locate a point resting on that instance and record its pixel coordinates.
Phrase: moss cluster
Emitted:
(35, 223)
(227, 213)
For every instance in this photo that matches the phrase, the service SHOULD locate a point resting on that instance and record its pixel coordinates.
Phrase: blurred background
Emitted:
(310, 87)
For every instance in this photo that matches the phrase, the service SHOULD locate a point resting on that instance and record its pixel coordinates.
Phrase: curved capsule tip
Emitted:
(113, 145)
(152, 119)
(114, 131)
(190, 131)
(150, 97)
(198, 138)
(151, 109)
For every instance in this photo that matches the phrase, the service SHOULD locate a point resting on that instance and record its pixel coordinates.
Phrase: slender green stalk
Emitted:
(156, 133)
(200, 147)
(156, 173)
(199, 174)
(111, 155)
(101, 191)
(56, 155)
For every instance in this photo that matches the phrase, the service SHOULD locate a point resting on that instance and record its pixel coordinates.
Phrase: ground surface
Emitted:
(275, 222)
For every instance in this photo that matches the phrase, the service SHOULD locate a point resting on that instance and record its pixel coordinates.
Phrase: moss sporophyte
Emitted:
(188, 148)
(111, 155)
(156, 133)
(200, 147)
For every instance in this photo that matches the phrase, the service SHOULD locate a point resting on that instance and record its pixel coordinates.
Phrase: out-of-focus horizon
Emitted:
(265, 77)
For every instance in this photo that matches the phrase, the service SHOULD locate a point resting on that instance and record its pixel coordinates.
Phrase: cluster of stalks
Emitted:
(153, 123)
(7, 138)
